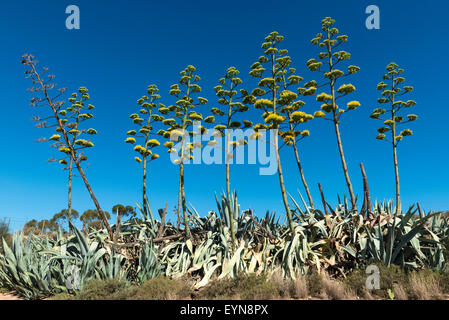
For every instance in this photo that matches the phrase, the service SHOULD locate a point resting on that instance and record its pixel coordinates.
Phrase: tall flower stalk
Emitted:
(231, 100)
(71, 142)
(290, 130)
(273, 64)
(72, 118)
(330, 59)
(392, 89)
(145, 121)
(183, 124)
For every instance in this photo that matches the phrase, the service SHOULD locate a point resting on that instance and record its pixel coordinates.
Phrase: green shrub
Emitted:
(314, 283)
(255, 287)
(109, 289)
(290, 288)
(389, 276)
(219, 290)
(423, 286)
(444, 282)
(64, 296)
(160, 288)
(247, 287)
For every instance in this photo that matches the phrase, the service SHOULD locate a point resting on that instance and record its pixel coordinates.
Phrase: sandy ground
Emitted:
(11, 296)
(8, 296)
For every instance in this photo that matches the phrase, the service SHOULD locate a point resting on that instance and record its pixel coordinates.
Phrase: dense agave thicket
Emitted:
(145, 248)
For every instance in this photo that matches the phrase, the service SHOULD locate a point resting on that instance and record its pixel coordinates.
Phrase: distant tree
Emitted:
(180, 125)
(124, 211)
(40, 227)
(92, 219)
(68, 135)
(392, 90)
(148, 109)
(30, 227)
(65, 215)
(330, 58)
(4, 234)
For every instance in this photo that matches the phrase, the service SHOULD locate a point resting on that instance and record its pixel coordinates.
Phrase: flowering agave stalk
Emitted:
(330, 58)
(184, 121)
(290, 131)
(146, 134)
(392, 119)
(226, 91)
(276, 64)
(72, 118)
(67, 133)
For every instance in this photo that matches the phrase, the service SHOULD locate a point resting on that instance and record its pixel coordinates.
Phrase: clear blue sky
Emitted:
(124, 46)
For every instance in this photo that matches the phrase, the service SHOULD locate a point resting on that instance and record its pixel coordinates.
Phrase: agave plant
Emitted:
(336, 242)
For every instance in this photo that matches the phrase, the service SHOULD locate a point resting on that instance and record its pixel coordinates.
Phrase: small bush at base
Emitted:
(400, 293)
(314, 284)
(290, 288)
(255, 287)
(389, 276)
(160, 288)
(64, 296)
(333, 289)
(395, 282)
(102, 290)
(424, 285)
(247, 287)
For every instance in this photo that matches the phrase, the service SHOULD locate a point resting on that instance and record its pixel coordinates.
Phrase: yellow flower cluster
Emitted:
(84, 143)
(195, 116)
(274, 118)
(346, 89)
(55, 137)
(319, 114)
(209, 119)
(288, 95)
(168, 144)
(153, 143)
(299, 116)
(168, 121)
(220, 127)
(406, 132)
(326, 107)
(130, 140)
(352, 105)
(142, 150)
(263, 103)
(322, 97)
(65, 150)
